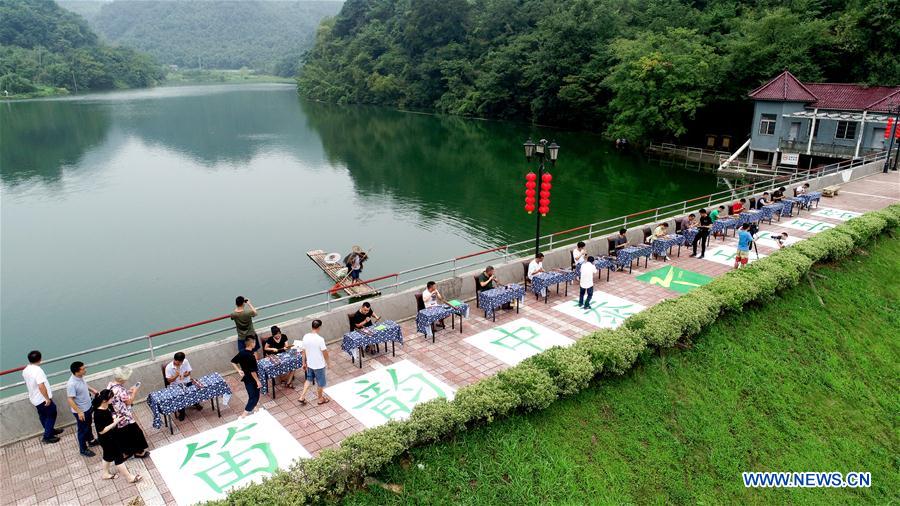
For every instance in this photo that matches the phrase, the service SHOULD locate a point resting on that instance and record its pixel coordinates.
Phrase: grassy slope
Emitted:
(789, 386)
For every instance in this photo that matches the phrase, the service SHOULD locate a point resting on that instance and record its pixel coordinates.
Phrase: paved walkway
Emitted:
(34, 473)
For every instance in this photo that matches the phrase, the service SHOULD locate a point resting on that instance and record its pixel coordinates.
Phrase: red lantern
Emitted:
(531, 185)
(546, 186)
(529, 208)
(887, 132)
(545, 194)
(531, 176)
(529, 200)
(544, 202)
(546, 177)
(529, 192)
(544, 211)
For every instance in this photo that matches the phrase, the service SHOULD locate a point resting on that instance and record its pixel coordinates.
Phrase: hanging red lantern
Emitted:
(545, 194)
(531, 176)
(544, 211)
(546, 186)
(529, 192)
(887, 132)
(544, 202)
(529, 208)
(546, 177)
(531, 185)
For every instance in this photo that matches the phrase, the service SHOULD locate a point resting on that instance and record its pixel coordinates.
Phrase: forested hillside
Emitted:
(635, 68)
(263, 35)
(44, 47)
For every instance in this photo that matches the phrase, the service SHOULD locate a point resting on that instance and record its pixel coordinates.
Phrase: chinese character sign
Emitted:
(811, 226)
(673, 278)
(836, 214)
(389, 393)
(206, 466)
(725, 255)
(515, 341)
(607, 310)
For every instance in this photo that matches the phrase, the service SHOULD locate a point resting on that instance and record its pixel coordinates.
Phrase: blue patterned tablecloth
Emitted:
(689, 235)
(769, 210)
(382, 332)
(723, 224)
(176, 397)
(540, 282)
(629, 253)
(661, 246)
(605, 263)
(429, 315)
(750, 217)
(489, 300)
(276, 365)
(809, 198)
(788, 203)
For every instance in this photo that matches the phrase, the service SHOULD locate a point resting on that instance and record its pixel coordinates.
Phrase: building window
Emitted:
(845, 130)
(815, 129)
(767, 124)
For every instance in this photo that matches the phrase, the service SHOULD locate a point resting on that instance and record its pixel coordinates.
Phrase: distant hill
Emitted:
(44, 48)
(270, 36)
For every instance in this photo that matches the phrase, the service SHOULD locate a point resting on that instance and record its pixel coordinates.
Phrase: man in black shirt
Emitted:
(245, 365)
(702, 234)
(364, 317)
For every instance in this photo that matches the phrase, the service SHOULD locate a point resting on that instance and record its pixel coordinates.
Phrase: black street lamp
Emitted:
(542, 151)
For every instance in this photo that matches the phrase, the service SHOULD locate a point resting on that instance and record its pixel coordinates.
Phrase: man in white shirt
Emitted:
(431, 296)
(41, 396)
(315, 360)
(536, 266)
(579, 254)
(587, 271)
(178, 372)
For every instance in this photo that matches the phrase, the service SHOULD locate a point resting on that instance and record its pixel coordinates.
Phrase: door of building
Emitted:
(795, 130)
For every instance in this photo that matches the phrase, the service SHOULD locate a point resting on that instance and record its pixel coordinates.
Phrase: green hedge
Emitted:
(538, 381)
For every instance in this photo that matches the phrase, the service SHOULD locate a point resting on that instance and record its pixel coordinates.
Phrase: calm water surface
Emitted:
(126, 213)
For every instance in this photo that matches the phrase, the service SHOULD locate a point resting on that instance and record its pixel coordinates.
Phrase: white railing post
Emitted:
(454, 267)
(591, 232)
(152, 355)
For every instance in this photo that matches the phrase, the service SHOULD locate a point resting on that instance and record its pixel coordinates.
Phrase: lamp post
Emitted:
(542, 151)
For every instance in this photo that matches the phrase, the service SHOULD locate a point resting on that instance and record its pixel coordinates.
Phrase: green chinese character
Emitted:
(516, 339)
(231, 469)
(234, 430)
(615, 314)
(192, 450)
(376, 396)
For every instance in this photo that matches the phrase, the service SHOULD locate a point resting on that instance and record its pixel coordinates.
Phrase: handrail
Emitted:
(510, 250)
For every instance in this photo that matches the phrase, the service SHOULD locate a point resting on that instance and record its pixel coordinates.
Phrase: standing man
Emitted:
(243, 322)
(315, 360)
(245, 365)
(178, 372)
(536, 266)
(745, 240)
(41, 396)
(587, 271)
(78, 393)
(702, 233)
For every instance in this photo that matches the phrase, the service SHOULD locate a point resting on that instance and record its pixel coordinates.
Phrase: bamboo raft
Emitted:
(331, 270)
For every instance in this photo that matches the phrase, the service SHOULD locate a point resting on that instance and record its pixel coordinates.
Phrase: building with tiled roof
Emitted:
(796, 122)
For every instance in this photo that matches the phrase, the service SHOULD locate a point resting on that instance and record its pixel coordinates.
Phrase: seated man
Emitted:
(661, 232)
(276, 344)
(738, 207)
(763, 201)
(579, 254)
(620, 241)
(486, 281)
(778, 194)
(536, 266)
(432, 297)
(364, 317)
(688, 222)
(801, 190)
(178, 372)
(714, 216)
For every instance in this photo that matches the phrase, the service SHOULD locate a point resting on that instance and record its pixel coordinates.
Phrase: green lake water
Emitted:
(130, 212)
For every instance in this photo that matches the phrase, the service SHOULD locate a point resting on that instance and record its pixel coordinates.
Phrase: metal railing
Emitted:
(825, 148)
(416, 275)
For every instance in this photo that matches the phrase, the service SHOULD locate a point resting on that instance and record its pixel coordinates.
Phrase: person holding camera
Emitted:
(242, 316)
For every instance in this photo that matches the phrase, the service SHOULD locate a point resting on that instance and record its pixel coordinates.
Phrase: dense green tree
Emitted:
(42, 44)
(264, 35)
(659, 82)
(628, 67)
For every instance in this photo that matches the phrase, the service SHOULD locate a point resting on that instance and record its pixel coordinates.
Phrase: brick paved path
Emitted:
(34, 473)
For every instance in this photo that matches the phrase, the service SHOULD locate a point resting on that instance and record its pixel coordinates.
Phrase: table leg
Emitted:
(393, 353)
(608, 270)
(273, 387)
(171, 425)
(517, 306)
(460, 323)
(567, 288)
(360, 356)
